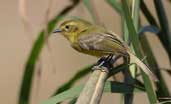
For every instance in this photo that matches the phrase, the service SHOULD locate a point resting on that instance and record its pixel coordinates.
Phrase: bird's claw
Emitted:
(105, 64)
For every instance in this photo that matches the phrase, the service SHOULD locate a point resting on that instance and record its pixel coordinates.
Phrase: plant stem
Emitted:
(162, 90)
(165, 36)
(136, 45)
(93, 89)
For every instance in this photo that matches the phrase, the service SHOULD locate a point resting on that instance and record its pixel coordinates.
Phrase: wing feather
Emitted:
(101, 42)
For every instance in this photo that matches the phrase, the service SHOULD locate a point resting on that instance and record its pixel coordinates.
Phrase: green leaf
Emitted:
(26, 84)
(118, 87)
(110, 86)
(116, 5)
(68, 94)
(72, 81)
(130, 74)
(165, 36)
(89, 7)
(73, 101)
(117, 69)
(162, 90)
(130, 25)
(148, 14)
(136, 46)
(29, 71)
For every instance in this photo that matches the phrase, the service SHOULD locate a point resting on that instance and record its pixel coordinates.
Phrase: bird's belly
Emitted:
(95, 53)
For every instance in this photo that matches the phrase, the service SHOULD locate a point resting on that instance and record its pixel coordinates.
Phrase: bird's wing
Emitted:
(105, 42)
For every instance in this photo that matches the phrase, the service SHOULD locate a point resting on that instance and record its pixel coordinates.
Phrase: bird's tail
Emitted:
(137, 61)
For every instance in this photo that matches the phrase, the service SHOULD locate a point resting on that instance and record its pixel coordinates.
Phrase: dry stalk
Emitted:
(93, 89)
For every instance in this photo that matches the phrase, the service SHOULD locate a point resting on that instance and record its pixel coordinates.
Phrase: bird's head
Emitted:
(73, 27)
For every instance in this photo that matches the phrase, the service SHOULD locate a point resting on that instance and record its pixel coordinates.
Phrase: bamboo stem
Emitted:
(93, 89)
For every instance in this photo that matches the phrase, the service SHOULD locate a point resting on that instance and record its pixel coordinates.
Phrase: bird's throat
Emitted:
(72, 38)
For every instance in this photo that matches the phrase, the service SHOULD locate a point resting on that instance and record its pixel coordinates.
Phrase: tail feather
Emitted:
(134, 59)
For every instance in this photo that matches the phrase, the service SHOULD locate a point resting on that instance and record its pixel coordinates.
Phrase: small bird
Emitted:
(97, 41)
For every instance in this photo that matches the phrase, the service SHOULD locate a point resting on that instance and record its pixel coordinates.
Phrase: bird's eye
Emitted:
(67, 27)
(70, 28)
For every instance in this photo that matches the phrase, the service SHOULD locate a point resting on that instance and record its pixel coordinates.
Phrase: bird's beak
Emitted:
(57, 31)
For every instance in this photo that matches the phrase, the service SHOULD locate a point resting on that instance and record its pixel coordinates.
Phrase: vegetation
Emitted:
(133, 31)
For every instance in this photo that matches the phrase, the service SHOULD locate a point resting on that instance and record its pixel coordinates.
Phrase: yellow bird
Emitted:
(97, 41)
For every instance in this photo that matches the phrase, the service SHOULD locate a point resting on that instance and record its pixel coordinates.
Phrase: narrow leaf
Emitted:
(130, 74)
(162, 90)
(162, 36)
(92, 10)
(89, 7)
(72, 81)
(26, 84)
(136, 45)
(73, 101)
(69, 94)
(165, 35)
(148, 14)
(116, 5)
(110, 86)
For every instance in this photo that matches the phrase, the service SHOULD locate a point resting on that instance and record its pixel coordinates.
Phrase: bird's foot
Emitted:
(105, 64)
